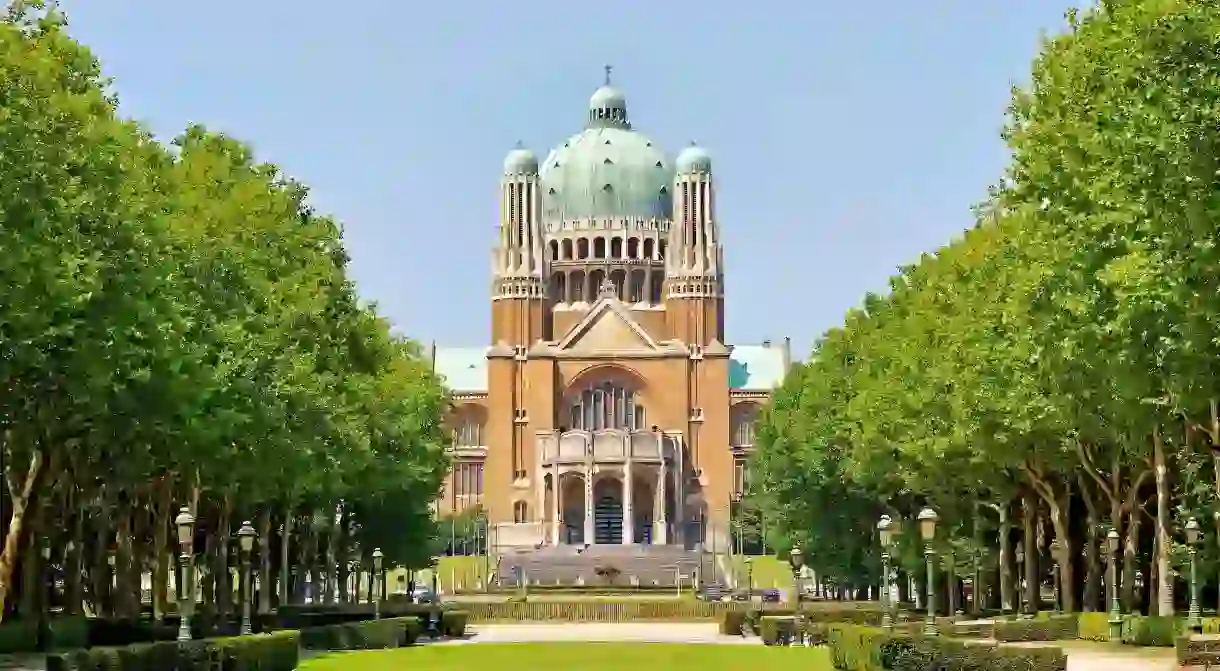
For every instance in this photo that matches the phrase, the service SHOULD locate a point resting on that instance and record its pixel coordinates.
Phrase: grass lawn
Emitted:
(583, 656)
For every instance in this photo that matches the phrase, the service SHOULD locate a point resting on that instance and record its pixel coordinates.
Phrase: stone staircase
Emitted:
(575, 565)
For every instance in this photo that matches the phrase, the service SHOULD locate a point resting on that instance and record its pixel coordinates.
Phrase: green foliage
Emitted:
(1046, 349)
(1053, 628)
(262, 652)
(181, 329)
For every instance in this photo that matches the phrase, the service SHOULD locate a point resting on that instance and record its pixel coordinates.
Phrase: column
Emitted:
(588, 504)
(557, 505)
(658, 507)
(628, 504)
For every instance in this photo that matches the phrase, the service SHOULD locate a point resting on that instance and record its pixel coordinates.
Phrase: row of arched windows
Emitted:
(607, 406)
(635, 286)
(639, 249)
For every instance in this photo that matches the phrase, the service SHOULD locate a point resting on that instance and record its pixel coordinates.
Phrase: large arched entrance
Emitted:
(608, 511)
(572, 515)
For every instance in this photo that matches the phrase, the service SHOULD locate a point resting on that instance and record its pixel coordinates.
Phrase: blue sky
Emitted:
(848, 137)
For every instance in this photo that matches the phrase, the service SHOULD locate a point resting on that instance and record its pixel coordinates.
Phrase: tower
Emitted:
(694, 269)
(518, 314)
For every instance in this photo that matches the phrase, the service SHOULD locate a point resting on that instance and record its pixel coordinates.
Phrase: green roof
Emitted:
(462, 369)
(756, 367)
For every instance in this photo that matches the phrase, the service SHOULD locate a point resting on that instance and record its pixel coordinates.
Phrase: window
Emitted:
(744, 417)
(607, 406)
(520, 512)
(469, 433)
(740, 476)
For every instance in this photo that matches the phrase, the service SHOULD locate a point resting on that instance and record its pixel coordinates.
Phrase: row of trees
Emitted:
(178, 328)
(1052, 374)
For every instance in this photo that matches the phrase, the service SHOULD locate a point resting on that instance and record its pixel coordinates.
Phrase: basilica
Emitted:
(607, 408)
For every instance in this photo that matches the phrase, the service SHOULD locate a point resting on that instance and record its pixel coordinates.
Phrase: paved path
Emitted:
(638, 632)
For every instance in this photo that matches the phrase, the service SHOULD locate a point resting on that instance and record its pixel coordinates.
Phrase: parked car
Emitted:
(769, 595)
(423, 595)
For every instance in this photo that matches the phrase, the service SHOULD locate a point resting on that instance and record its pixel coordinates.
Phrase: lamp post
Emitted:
(1116, 615)
(378, 586)
(886, 533)
(245, 537)
(434, 618)
(750, 579)
(1055, 586)
(48, 588)
(927, 528)
(1193, 532)
(1021, 603)
(796, 559)
(185, 522)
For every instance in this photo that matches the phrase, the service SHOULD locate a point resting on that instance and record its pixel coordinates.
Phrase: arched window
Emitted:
(468, 427)
(520, 512)
(607, 405)
(743, 418)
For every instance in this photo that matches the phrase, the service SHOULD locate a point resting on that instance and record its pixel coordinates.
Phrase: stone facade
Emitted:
(607, 408)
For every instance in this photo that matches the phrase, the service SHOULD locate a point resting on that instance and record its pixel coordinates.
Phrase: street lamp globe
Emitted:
(1112, 541)
(377, 557)
(186, 527)
(927, 523)
(885, 529)
(1192, 531)
(245, 535)
(796, 558)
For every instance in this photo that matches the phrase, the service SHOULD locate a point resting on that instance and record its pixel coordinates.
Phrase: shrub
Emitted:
(1192, 651)
(260, 652)
(1093, 627)
(453, 623)
(67, 633)
(1050, 628)
(733, 622)
(855, 648)
(367, 635)
(816, 633)
(18, 636)
(1150, 630)
(777, 629)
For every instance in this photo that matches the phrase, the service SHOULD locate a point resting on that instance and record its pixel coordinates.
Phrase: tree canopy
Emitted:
(180, 330)
(1057, 361)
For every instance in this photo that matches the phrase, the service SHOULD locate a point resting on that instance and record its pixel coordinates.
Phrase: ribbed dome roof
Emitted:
(520, 161)
(694, 159)
(608, 169)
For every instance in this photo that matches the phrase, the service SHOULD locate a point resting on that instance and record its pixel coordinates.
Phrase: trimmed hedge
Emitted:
(259, 652)
(777, 629)
(1150, 630)
(1201, 651)
(18, 636)
(733, 622)
(453, 623)
(1093, 627)
(596, 611)
(856, 648)
(391, 632)
(1050, 628)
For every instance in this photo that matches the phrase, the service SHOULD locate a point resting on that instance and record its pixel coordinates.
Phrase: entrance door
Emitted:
(608, 520)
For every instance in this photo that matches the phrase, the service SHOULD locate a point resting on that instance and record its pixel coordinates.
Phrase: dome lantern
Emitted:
(520, 161)
(608, 106)
(692, 160)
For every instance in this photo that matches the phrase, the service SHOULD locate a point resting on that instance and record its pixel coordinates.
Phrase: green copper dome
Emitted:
(608, 169)
(694, 159)
(520, 161)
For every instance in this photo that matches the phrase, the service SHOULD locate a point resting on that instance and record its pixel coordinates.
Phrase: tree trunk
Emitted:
(1164, 592)
(286, 557)
(1007, 568)
(977, 592)
(21, 497)
(74, 564)
(161, 552)
(1092, 557)
(1029, 511)
(1131, 549)
(264, 561)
